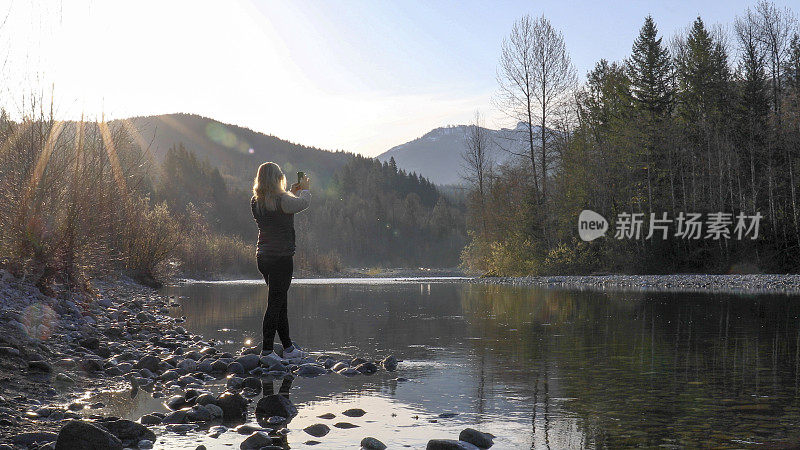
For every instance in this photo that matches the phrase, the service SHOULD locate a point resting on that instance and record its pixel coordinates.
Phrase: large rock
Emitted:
(276, 405)
(249, 362)
(476, 438)
(77, 434)
(234, 407)
(389, 363)
(449, 444)
(149, 362)
(127, 431)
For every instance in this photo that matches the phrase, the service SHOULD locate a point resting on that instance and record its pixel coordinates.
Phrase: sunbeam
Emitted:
(108, 143)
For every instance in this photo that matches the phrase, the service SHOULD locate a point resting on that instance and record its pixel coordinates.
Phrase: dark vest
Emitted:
(275, 230)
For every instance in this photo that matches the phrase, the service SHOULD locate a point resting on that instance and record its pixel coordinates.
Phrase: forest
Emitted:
(703, 123)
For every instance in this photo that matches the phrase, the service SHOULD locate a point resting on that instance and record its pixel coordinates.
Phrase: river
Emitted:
(538, 368)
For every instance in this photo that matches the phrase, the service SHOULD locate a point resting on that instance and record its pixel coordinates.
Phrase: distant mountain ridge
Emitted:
(236, 151)
(437, 154)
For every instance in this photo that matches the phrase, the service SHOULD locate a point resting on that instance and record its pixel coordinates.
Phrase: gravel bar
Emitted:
(733, 284)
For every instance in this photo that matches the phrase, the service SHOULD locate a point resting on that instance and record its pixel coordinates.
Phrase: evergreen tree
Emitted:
(649, 70)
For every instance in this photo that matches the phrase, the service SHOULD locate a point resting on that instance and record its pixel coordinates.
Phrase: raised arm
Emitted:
(293, 205)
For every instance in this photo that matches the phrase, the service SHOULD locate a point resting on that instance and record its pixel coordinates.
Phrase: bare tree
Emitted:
(535, 77)
(477, 162)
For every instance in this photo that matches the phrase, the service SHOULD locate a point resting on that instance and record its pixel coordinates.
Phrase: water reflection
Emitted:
(539, 368)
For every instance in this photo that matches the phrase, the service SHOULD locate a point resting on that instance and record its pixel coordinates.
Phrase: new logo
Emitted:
(591, 225)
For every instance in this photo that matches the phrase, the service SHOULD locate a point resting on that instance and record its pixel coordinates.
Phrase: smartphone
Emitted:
(300, 176)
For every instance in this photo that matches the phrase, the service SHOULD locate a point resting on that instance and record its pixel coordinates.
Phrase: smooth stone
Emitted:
(180, 428)
(199, 414)
(64, 378)
(219, 366)
(327, 416)
(370, 443)
(37, 437)
(311, 370)
(205, 399)
(177, 402)
(349, 372)
(127, 430)
(236, 368)
(339, 366)
(356, 361)
(215, 410)
(205, 366)
(41, 366)
(252, 383)
(354, 412)
(216, 431)
(234, 383)
(367, 368)
(233, 405)
(276, 405)
(256, 440)
(246, 428)
(449, 444)
(317, 430)
(345, 425)
(90, 343)
(249, 362)
(188, 365)
(77, 434)
(148, 362)
(389, 363)
(476, 438)
(150, 419)
(175, 417)
(145, 444)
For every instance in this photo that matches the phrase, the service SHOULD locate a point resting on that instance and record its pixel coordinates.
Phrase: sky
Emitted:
(361, 76)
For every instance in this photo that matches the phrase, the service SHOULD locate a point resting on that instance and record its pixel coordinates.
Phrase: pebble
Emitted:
(256, 440)
(317, 430)
(449, 444)
(370, 443)
(476, 438)
(345, 425)
(354, 412)
(216, 431)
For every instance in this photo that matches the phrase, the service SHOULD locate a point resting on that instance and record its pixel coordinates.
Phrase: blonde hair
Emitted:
(270, 183)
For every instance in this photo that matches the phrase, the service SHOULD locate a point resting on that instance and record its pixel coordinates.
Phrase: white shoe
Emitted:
(296, 353)
(272, 359)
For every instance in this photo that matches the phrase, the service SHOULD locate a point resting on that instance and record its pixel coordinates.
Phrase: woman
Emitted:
(274, 209)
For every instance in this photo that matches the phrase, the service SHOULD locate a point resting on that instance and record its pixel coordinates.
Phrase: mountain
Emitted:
(235, 150)
(437, 154)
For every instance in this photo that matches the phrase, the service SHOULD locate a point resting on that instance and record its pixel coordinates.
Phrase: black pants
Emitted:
(277, 271)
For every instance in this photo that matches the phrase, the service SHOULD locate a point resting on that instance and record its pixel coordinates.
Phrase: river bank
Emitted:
(729, 284)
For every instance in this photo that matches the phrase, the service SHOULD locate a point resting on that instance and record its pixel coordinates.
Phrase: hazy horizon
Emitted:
(357, 76)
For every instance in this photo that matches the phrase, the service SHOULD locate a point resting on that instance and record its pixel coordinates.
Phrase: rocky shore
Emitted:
(119, 335)
(734, 284)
